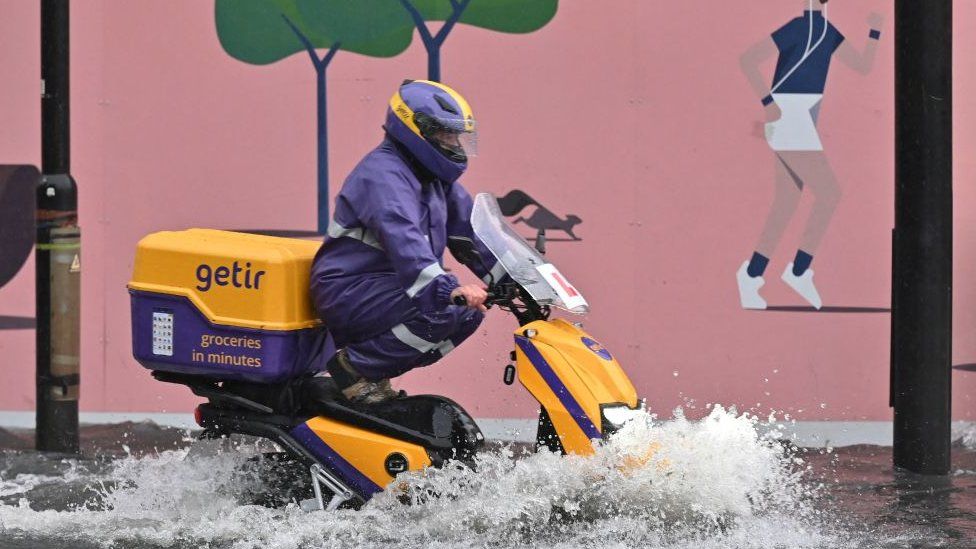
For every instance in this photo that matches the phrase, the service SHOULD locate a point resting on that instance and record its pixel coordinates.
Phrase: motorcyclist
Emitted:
(378, 280)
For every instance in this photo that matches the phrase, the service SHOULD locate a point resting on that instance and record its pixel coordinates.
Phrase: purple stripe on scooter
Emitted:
(335, 462)
(557, 386)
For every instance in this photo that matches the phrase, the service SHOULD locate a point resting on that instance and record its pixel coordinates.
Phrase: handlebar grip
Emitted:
(461, 301)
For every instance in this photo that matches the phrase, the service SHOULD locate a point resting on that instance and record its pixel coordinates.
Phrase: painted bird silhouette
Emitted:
(542, 218)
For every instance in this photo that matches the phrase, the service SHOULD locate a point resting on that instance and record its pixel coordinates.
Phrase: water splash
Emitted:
(965, 433)
(715, 482)
(674, 479)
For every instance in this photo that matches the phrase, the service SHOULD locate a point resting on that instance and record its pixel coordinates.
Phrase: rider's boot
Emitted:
(354, 386)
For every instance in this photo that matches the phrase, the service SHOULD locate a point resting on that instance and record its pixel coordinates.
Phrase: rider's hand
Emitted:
(474, 294)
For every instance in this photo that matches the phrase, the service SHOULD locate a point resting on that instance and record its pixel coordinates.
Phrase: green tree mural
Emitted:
(262, 32)
(514, 16)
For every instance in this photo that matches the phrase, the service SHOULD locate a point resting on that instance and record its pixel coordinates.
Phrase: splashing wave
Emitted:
(715, 482)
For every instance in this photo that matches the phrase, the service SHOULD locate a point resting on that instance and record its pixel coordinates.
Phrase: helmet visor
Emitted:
(463, 143)
(457, 135)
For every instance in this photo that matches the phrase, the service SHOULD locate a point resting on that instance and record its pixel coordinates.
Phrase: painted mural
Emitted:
(17, 229)
(524, 209)
(17, 188)
(594, 115)
(261, 32)
(804, 47)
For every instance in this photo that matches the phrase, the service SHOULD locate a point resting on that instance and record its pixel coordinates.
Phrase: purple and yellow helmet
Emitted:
(435, 124)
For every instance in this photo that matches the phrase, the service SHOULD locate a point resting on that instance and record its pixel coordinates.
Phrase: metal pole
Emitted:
(58, 251)
(921, 325)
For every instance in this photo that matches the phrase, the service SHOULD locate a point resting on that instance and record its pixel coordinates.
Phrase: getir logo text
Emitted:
(223, 275)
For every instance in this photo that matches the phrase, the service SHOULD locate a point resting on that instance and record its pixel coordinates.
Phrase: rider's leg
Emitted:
(418, 341)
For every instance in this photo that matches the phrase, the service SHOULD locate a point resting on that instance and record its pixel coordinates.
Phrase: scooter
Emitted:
(352, 451)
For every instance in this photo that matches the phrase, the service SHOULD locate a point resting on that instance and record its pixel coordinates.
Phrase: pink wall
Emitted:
(637, 120)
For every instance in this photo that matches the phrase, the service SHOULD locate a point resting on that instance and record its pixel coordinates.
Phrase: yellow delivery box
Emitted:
(225, 305)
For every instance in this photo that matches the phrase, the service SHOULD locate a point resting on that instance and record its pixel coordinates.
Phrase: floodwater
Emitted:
(711, 483)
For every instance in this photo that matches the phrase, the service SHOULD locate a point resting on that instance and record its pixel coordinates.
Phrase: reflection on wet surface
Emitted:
(142, 486)
(906, 509)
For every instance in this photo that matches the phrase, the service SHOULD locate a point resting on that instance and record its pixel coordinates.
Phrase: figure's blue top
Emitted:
(791, 39)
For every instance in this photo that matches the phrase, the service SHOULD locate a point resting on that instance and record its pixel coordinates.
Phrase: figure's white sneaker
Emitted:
(803, 285)
(749, 288)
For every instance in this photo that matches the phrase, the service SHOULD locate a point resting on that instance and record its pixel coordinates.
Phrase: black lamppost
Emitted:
(921, 290)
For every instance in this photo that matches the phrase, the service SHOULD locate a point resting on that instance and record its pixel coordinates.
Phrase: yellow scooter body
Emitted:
(572, 376)
(365, 460)
(564, 368)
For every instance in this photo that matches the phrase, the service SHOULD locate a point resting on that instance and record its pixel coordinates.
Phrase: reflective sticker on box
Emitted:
(162, 333)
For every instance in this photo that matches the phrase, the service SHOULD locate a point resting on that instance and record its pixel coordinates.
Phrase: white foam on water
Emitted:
(22, 483)
(715, 482)
(965, 433)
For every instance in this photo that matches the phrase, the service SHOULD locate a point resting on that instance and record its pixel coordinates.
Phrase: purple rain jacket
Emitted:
(381, 261)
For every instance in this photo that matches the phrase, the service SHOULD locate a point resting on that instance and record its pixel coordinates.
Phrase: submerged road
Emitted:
(143, 486)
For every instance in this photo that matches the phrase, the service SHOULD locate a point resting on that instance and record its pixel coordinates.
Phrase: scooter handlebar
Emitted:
(461, 301)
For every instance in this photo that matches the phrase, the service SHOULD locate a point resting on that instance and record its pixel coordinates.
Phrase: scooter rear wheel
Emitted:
(284, 479)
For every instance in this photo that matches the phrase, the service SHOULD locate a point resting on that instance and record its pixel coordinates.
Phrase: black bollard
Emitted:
(58, 250)
(921, 290)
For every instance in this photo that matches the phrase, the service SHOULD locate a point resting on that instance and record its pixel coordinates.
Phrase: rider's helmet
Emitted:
(435, 124)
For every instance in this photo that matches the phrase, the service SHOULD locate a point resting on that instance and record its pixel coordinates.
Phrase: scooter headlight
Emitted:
(614, 416)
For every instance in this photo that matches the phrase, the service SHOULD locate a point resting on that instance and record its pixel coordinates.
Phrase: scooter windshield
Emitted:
(522, 262)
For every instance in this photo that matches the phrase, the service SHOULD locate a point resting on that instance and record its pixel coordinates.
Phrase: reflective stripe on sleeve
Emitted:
(445, 347)
(425, 277)
(363, 235)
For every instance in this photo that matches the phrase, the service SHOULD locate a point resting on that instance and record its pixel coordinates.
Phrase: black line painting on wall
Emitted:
(533, 214)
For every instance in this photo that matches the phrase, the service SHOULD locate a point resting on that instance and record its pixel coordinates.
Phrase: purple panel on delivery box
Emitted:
(169, 334)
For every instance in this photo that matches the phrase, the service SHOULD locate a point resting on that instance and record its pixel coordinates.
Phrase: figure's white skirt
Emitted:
(796, 130)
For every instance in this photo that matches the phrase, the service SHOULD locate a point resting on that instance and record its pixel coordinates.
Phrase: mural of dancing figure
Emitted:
(805, 47)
